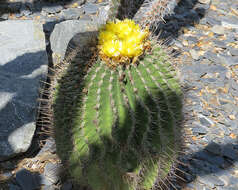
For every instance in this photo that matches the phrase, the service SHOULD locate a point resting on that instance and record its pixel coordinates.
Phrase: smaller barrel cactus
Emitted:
(116, 116)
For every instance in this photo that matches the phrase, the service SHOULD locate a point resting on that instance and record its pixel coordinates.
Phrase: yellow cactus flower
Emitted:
(112, 48)
(106, 36)
(121, 40)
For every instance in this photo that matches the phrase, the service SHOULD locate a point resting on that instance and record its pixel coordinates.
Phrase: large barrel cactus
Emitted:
(116, 118)
(117, 110)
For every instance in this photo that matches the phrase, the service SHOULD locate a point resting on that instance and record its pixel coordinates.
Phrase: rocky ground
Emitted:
(203, 32)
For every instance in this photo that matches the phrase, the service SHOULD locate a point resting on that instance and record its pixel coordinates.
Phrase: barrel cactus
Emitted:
(116, 115)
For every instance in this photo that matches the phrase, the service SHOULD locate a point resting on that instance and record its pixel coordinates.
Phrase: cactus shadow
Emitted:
(121, 157)
(216, 161)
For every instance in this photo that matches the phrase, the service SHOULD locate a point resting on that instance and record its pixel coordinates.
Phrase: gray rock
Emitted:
(227, 188)
(212, 56)
(52, 9)
(220, 44)
(67, 30)
(210, 180)
(230, 22)
(90, 8)
(205, 120)
(194, 71)
(71, 13)
(199, 129)
(195, 55)
(4, 16)
(223, 128)
(206, 113)
(215, 131)
(234, 52)
(230, 38)
(228, 140)
(218, 29)
(192, 39)
(52, 172)
(23, 63)
(208, 80)
(27, 180)
(212, 21)
(229, 60)
(234, 92)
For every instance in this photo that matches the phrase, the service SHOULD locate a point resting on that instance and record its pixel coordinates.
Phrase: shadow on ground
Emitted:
(216, 159)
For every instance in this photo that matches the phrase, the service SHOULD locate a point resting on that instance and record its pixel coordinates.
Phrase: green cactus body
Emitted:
(123, 123)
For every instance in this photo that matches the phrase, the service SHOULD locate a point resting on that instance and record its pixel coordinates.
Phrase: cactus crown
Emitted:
(121, 41)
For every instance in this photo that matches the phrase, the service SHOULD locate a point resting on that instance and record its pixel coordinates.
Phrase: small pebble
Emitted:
(195, 55)
(52, 9)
